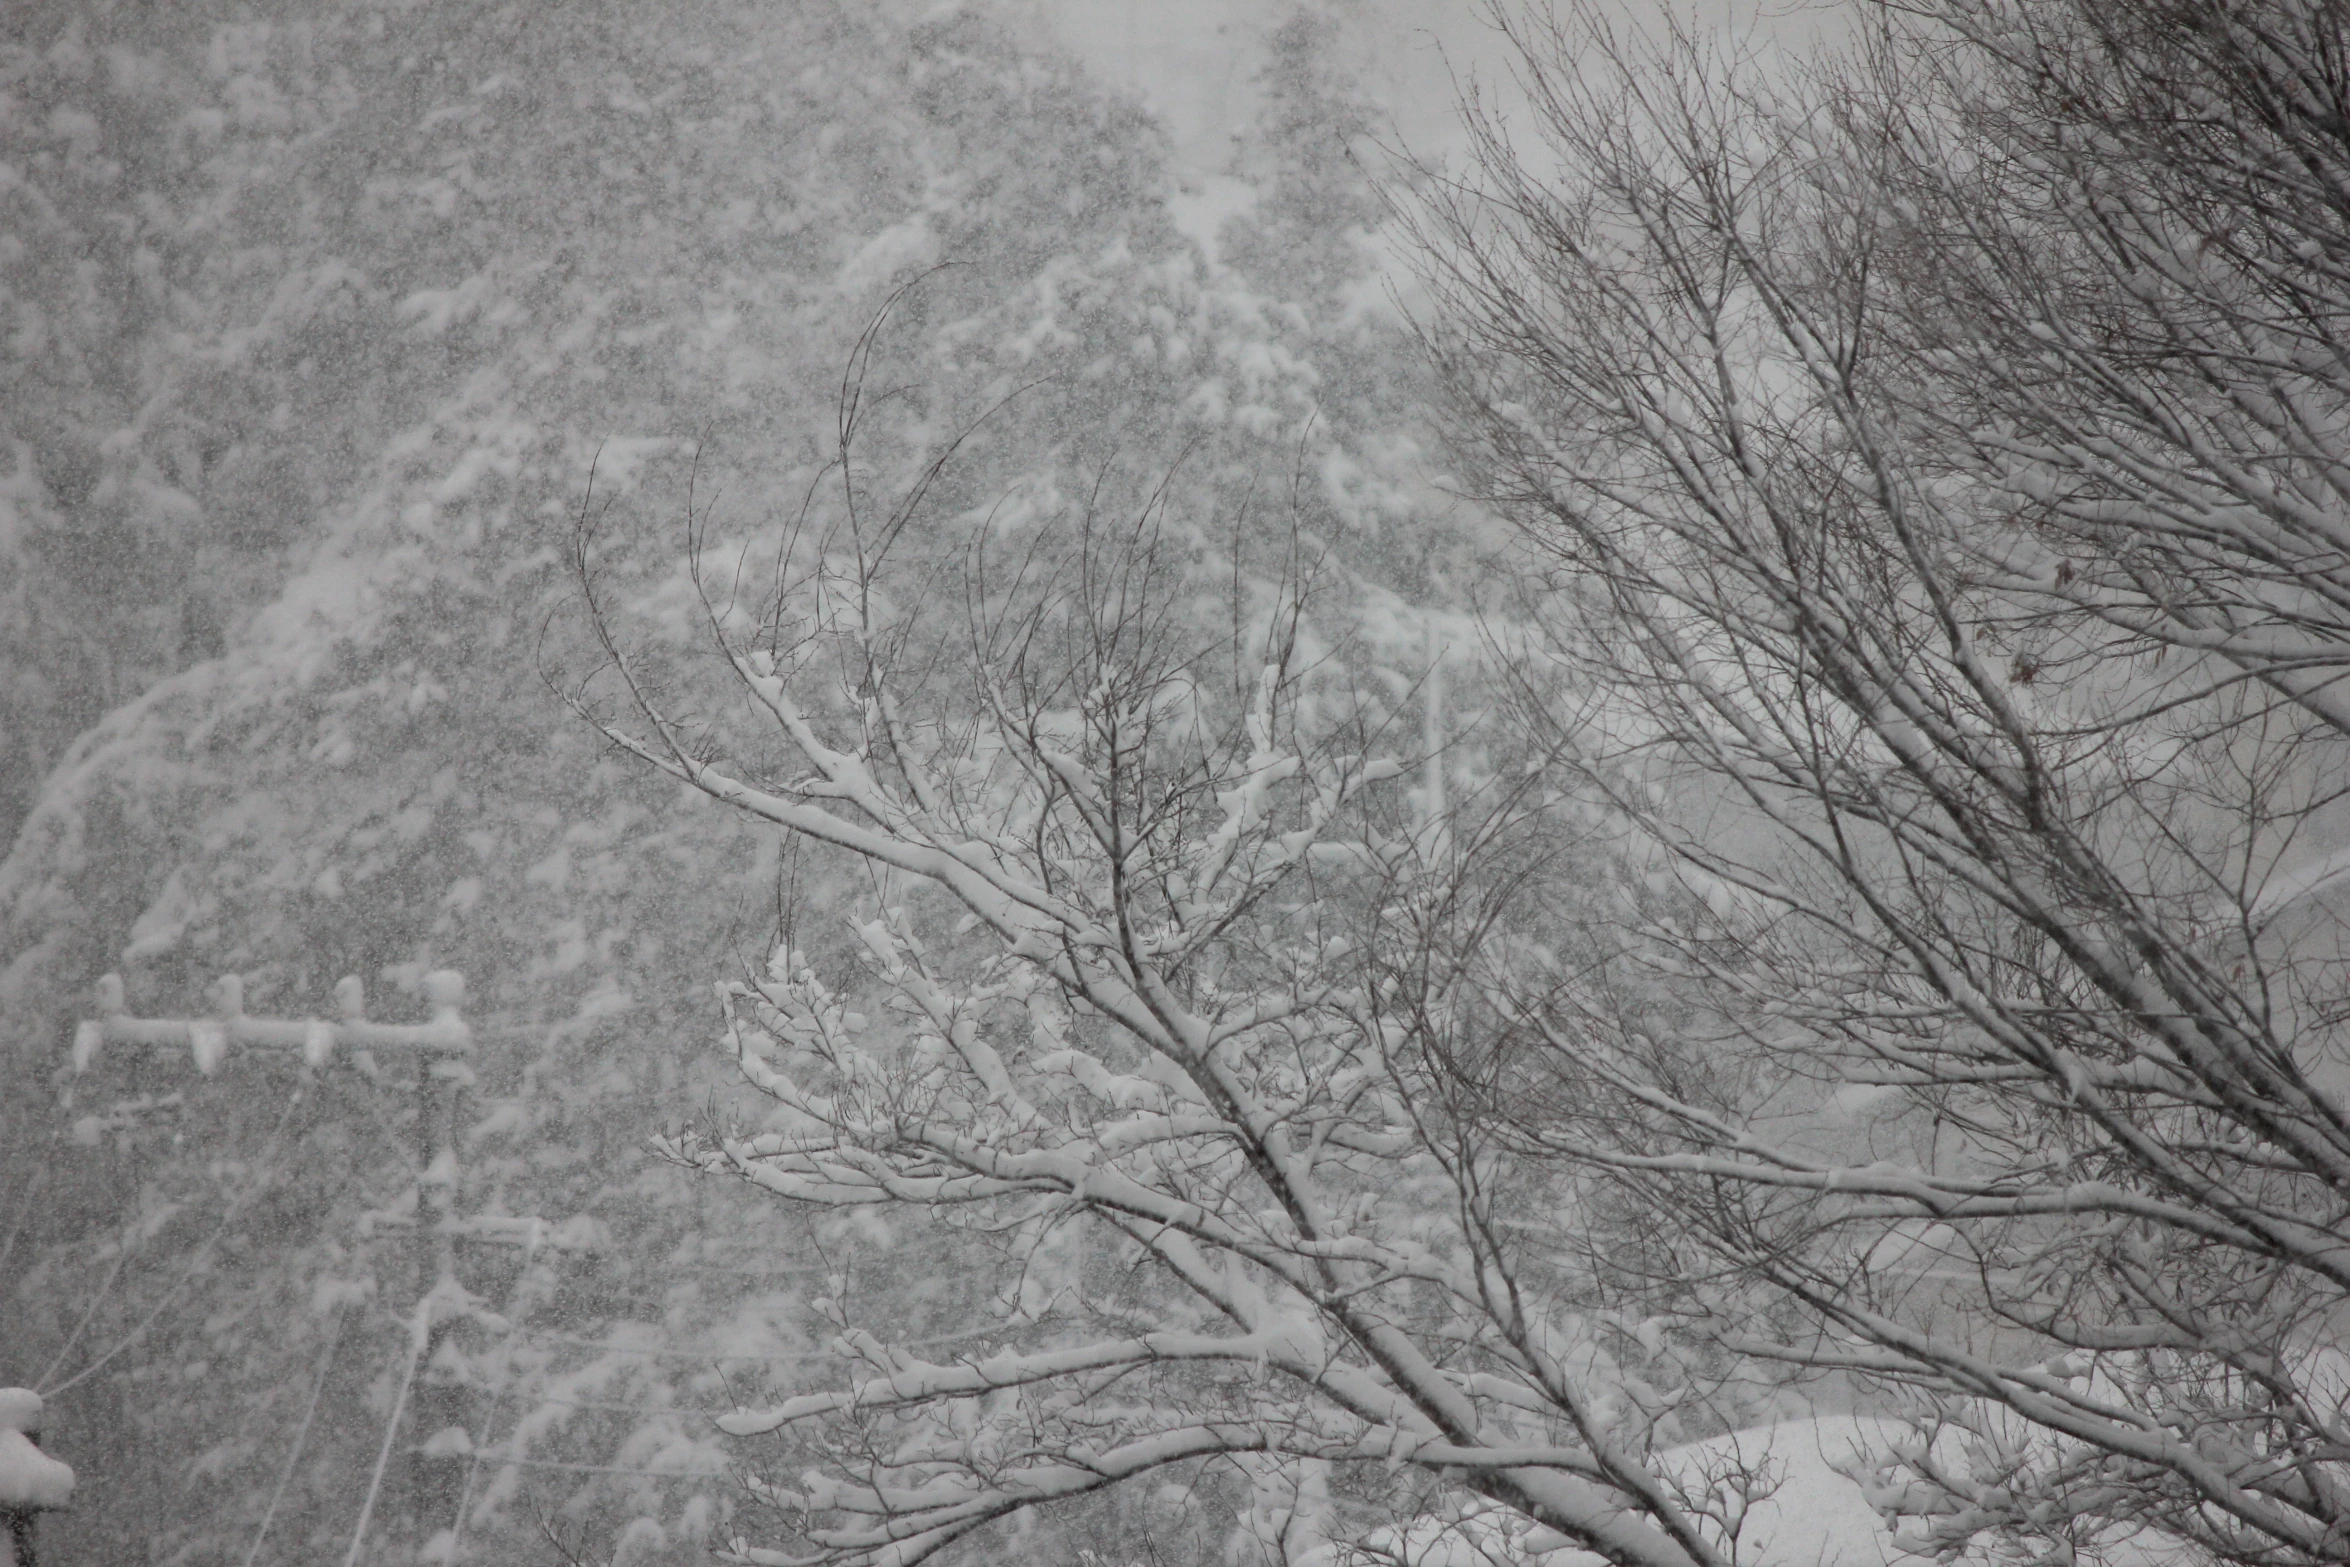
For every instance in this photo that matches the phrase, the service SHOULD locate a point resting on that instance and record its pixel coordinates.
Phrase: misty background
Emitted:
(314, 321)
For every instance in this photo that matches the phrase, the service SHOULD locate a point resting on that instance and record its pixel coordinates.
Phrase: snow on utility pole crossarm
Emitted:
(444, 1036)
(428, 1481)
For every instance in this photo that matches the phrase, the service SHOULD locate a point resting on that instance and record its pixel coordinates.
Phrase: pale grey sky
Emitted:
(1192, 60)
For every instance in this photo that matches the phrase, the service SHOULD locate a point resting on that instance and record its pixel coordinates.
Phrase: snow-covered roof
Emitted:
(30, 1480)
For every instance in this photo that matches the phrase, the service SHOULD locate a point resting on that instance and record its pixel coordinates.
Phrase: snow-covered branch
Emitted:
(1157, 990)
(1941, 469)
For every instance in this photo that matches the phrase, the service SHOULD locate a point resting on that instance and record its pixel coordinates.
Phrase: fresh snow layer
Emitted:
(1816, 1517)
(30, 1480)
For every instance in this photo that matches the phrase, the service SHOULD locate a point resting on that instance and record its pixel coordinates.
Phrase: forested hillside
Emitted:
(317, 321)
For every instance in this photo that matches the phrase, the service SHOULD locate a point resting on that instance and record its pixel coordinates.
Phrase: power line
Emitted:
(122, 1254)
(712, 1352)
(418, 1333)
(301, 1435)
(626, 1409)
(195, 1259)
(530, 1253)
(23, 1209)
(612, 1469)
(438, 1048)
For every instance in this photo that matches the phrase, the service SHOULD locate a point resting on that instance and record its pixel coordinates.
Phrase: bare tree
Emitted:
(1190, 963)
(1939, 461)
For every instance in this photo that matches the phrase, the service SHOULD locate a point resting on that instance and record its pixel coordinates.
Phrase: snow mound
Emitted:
(30, 1480)
(1815, 1516)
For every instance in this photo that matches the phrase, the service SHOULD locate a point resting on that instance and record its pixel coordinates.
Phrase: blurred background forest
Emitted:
(313, 319)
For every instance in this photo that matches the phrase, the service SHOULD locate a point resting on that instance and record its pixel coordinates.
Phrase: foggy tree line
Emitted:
(320, 319)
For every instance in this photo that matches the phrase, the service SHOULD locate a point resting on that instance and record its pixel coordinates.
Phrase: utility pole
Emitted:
(439, 1051)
